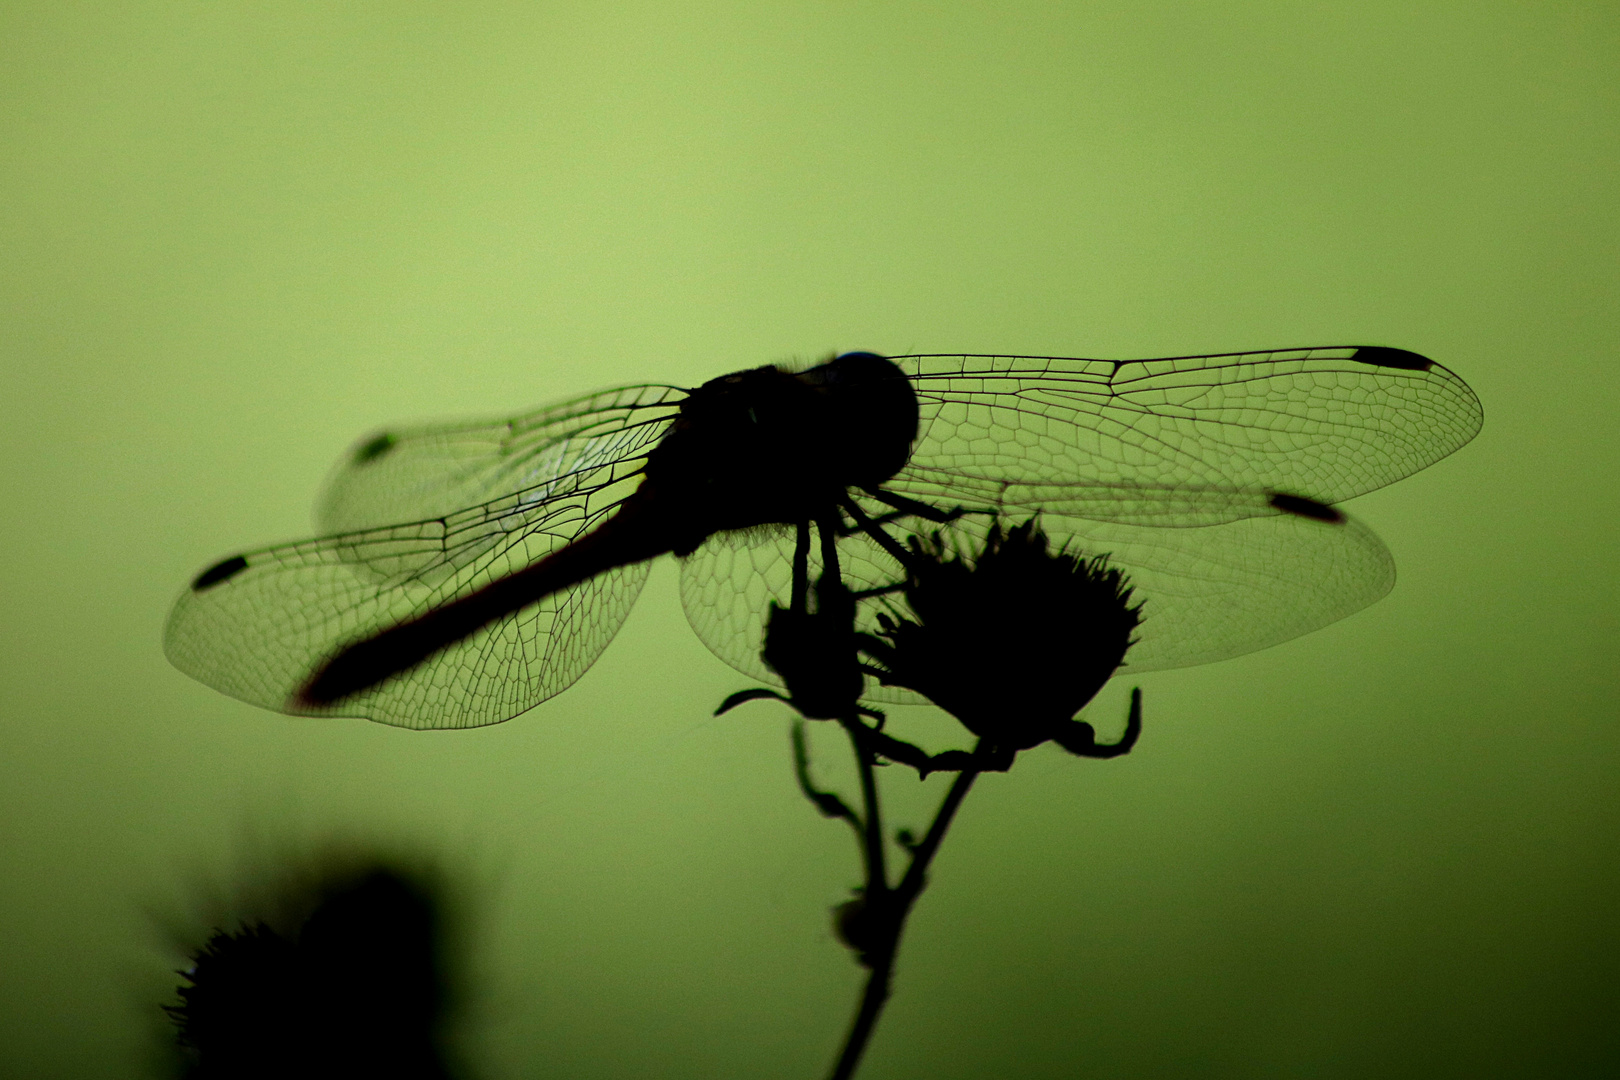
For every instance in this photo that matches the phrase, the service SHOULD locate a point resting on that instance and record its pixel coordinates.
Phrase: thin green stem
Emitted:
(827, 802)
(877, 873)
(873, 999)
(889, 910)
(916, 874)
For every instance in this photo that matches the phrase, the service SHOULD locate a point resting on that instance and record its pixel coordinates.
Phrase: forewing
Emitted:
(1165, 442)
(257, 625)
(414, 473)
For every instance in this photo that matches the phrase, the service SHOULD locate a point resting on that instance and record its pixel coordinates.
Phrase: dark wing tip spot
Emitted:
(1382, 356)
(372, 449)
(220, 571)
(1300, 506)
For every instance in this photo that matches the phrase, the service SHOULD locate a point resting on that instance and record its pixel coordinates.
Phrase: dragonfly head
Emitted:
(875, 411)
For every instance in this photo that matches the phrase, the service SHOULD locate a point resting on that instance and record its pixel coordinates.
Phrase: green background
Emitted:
(233, 237)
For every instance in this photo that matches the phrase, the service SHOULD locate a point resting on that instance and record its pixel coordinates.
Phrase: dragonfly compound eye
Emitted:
(873, 410)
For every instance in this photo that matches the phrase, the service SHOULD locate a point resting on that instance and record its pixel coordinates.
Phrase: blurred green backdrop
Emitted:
(235, 236)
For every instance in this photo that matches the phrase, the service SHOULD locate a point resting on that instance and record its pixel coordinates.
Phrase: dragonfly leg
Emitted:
(905, 506)
(882, 590)
(801, 567)
(827, 527)
(894, 517)
(909, 507)
(864, 523)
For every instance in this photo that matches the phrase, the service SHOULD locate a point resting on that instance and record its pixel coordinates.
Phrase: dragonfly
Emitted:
(465, 572)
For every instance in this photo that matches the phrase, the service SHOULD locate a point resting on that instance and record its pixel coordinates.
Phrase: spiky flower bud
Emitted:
(1013, 640)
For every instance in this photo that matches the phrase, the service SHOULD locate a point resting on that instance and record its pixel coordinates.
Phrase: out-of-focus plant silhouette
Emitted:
(347, 977)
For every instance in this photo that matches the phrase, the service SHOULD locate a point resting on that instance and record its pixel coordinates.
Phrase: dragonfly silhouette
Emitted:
(468, 571)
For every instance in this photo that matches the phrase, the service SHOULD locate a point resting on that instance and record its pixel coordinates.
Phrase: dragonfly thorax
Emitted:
(769, 446)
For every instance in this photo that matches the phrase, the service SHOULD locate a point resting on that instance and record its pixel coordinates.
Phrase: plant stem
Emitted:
(877, 874)
(889, 909)
(872, 1001)
(916, 874)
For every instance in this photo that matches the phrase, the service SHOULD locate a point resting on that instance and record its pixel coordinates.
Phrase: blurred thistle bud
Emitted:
(1013, 640)
(357, 988)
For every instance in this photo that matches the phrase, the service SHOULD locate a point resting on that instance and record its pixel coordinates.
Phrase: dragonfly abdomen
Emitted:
(630, 536)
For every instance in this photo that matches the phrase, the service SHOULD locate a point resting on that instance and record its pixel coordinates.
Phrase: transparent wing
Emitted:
(1166, 465)
(255, 626)
(1224, 590)
(1143, 441)
(1209, 593)
(727, 586)
(418, 472)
